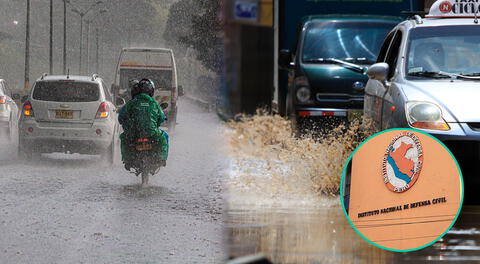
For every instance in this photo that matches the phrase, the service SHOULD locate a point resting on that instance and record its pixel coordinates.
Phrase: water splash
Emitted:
(269, 160)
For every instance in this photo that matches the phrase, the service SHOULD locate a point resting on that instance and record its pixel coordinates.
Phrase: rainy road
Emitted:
(75, 209)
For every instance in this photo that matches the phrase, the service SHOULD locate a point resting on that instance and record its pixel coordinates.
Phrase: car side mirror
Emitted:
(181, 91)
(164, 106)
(378, 71)
(15, 96)
(119, 101)
(285, 59)
(24, 99)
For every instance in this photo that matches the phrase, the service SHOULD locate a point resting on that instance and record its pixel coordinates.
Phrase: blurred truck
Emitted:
(322, 52)
(156, 64)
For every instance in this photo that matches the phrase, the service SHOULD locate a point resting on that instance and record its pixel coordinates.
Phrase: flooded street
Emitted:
(323, 235)
(299, 235)
(460, 245)
(76, 209)
(273, 209)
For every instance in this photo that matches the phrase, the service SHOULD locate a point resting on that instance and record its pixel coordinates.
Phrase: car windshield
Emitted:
(63, 91)
(449, 49)
(350, 41)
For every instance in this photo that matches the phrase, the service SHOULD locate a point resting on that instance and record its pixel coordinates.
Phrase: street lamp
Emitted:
(82, 14)
(88, 22)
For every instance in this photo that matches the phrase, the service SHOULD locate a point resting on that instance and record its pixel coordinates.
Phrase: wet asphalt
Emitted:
(78, 209)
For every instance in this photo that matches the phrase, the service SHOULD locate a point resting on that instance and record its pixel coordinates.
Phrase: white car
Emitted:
(8, 110)
(428, 78)
(69, 114)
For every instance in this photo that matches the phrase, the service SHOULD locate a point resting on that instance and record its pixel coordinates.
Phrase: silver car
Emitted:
(69, 114)
(8, 110)
(428, 77)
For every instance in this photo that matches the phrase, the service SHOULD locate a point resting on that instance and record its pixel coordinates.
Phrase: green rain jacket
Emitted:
(141, 118)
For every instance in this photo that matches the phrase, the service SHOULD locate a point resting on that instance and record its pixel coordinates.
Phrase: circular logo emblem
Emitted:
(359, 86)
(445, 7)
(402, 162)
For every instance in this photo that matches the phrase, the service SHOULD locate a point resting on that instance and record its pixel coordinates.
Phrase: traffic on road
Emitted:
(219, 131)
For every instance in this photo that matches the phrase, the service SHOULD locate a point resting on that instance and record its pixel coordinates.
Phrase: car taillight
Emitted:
(3, 99)
(27, 109)
(102, 111)
(143, 140)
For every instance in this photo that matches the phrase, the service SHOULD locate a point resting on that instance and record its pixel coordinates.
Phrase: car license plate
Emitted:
(355, 115)
(63, 114)
(143, 147)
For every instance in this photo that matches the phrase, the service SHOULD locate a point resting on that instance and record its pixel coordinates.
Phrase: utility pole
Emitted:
(82, 14)
(51, 39)
(88, 22)
(27, 50)
(64, 36)
(81, 44)
(96, 55)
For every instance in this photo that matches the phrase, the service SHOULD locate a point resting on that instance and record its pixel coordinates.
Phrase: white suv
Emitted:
(69, 114)
(8, 110)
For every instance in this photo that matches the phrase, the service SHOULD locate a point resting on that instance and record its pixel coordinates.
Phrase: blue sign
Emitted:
(246, 10)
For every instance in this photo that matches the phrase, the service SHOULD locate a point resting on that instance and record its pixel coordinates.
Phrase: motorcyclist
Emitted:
(141, 118)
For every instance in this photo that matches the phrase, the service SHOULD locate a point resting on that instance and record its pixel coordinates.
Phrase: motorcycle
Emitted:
(145, 156)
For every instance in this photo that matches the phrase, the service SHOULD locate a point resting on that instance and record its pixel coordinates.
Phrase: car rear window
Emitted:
(66, 91)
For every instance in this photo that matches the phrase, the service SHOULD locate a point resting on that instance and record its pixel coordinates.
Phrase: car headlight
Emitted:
(303, 94)
(425, 115)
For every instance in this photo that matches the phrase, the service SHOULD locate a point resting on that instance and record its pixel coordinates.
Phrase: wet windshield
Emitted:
(435, 50)
(350, 41)
(66, 92)
(161, 78)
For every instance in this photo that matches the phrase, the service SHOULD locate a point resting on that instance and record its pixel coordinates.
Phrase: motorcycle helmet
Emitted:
(145, 86)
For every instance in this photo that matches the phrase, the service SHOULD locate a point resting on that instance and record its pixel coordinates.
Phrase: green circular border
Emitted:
(345, 171)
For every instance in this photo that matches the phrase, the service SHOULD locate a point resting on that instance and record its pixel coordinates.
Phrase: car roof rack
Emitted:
(44, 75)
(94, 76)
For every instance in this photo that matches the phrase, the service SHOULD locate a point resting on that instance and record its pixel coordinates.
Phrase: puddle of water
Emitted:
(288, 235)
(321, 234)
(460, 245)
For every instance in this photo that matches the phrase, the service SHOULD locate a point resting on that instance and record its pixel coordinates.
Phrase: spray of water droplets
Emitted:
(269, 160)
